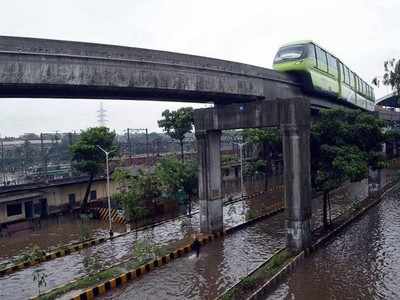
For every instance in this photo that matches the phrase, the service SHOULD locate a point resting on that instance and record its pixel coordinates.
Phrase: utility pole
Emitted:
(241, 167)
(129, 146)
(42, 155)
(147, 147)
(3, 172)
(136, 130)
(107, 153)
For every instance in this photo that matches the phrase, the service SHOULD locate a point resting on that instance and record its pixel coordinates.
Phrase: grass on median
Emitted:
(249, 283)
(97, 278)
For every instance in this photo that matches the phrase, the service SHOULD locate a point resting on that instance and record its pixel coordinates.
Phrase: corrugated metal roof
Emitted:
(20, 197)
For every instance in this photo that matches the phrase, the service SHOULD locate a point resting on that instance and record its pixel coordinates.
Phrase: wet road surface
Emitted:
(222, 263)
(53, 232)
(90, 260)
(363, 262)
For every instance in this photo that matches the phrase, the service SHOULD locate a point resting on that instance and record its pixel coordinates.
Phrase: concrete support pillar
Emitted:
(374, 181)
(210, 195)
(296, 155)
(384, 149)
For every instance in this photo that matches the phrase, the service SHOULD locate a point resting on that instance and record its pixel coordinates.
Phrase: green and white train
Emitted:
(324, 73)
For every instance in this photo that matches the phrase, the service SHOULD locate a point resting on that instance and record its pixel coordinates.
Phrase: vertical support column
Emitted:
(296, 155)
(374, 181)
(210, 196)
(384, 149)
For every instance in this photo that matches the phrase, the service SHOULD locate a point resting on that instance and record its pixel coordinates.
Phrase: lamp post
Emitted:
(107, 153)
(241, 166)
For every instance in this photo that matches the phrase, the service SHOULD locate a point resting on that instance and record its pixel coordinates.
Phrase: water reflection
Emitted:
(220, 265)
(361, 263)
(111, 252)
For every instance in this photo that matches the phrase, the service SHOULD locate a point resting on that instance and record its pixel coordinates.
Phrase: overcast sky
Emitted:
(362, 33)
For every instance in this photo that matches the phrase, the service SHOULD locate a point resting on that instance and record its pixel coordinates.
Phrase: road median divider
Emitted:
(259, 283)
(78, 246)
(118, 280)
(46, 256)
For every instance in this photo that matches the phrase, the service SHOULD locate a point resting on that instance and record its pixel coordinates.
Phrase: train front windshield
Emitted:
(291, 53)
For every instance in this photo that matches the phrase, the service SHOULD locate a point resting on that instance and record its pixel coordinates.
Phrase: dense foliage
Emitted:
(391, 75)
(172, 179)
(343, 144)
(269, 145)
(177, 124)
(88, 158)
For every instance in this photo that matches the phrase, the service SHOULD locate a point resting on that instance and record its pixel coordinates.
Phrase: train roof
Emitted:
(301, 42)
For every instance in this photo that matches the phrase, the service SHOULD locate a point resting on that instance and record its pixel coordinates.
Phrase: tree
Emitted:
(178, 176)
(177, 124)
(88, 158)
(139, 192)
(270, 141)
(391, 75)
(343, 144)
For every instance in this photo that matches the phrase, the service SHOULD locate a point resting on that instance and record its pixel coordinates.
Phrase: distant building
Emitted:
(34, 201)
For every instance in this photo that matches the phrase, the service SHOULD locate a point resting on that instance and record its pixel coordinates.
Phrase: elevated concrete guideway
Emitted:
(294, 119)
(62, 69)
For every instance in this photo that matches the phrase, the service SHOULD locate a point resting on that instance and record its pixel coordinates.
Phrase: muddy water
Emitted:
(363, 262)
(90, 260)
(53, 231)
(222, 263)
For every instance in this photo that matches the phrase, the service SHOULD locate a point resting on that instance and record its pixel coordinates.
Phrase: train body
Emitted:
(323, 73)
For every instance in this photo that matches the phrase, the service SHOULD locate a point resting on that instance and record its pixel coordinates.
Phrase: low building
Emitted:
(31, 201)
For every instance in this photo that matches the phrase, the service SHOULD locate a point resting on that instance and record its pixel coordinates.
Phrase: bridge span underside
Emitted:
(61, 69)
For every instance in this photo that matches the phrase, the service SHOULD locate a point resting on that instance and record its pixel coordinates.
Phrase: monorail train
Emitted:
(324, 73)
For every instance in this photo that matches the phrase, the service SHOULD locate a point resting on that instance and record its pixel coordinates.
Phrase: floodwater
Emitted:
(93, 259)
(222, 263)
(53, 232)
(363, 262)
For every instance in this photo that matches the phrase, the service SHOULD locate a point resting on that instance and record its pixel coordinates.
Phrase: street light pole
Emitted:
(241, 166)
(3, 171)
(107, 153)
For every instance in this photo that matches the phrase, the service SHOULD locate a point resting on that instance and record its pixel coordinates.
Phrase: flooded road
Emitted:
(53, 232)
(90, 260)
(363, 262)
(222, 263)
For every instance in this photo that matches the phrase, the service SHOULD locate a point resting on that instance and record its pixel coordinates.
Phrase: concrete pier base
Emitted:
(293, 117)
(296, 155)
(210, 196)
(374, 181)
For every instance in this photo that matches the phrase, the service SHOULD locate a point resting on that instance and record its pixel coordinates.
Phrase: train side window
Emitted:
(347, 76)
(341, 71)
(312, 54)
(352, 83)
(332, 64)
(344, 73)
(322, 61)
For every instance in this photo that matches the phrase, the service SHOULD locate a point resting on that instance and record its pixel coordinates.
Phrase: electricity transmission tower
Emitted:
(102, 116)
